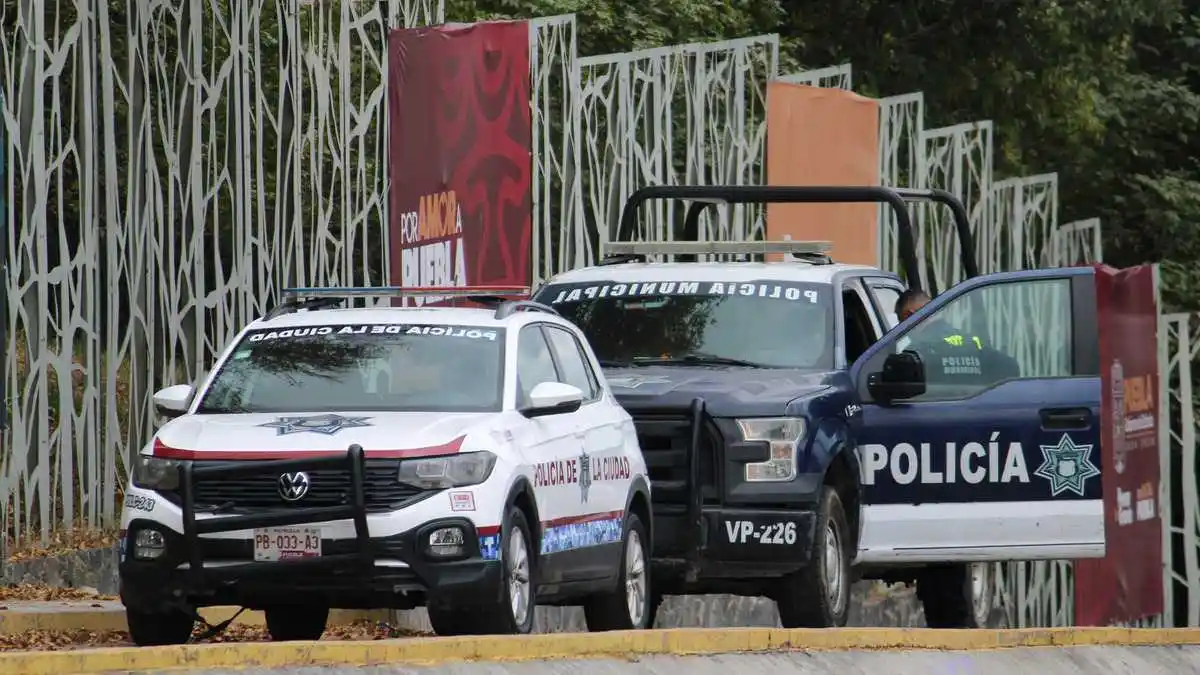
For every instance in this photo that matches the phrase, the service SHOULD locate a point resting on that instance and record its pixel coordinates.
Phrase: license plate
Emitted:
(757, 531)
(282, 543)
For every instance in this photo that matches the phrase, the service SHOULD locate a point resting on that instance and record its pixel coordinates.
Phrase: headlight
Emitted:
(154, 473)
(431, 473)
(782, 436)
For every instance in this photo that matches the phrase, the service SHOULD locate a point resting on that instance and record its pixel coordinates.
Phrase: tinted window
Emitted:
(534, 363)
(1018, 329)
(768, 323)
(573, 365)
(361, 367)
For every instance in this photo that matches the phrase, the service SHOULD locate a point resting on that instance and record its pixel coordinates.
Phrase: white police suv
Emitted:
(469, 460)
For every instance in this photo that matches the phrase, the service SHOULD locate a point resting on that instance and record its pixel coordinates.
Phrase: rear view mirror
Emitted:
(903, 376)
(173, 401)
(553, 398)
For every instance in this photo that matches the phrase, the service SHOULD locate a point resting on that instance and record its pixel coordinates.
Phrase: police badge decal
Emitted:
(1067, 466)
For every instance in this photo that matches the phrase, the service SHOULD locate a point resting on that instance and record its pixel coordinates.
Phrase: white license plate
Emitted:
(282, 543)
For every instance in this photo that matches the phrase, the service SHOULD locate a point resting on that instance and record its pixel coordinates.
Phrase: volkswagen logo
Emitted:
(293, 486)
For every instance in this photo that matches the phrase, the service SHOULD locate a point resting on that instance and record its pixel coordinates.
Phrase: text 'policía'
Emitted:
(468, 332)
(971, 463)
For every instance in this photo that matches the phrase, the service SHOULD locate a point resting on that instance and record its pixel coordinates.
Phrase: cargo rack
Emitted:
(332, 297)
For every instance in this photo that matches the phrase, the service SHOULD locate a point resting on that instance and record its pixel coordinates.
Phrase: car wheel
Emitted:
(519, 600)
(818, 596)
(512, 611)
(957, 596)
(296, 623)
(152, 629)
(629, 605)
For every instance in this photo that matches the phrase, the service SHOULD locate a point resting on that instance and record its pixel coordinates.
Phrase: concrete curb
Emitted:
(109, 616)
(677, 642)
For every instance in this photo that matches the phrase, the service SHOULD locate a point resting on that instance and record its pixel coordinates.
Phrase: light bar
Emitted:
(715, 247)
(403, 291)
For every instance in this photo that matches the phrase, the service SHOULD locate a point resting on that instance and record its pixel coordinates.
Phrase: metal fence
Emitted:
(168, 166)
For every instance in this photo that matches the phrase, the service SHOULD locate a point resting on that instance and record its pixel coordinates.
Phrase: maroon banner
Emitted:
(460, 156)
(1127, 584)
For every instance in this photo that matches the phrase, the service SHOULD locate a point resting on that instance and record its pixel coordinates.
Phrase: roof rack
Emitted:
(506, 309)
(317, 298)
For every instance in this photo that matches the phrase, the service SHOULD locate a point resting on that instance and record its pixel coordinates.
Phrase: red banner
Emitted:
(460, 155)
(1127, 584)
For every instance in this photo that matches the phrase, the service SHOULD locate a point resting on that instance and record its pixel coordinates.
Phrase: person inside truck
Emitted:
(955, 355)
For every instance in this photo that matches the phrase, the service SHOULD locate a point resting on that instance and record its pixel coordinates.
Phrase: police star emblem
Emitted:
(1067, 466)
(327, 425)
(585, 475)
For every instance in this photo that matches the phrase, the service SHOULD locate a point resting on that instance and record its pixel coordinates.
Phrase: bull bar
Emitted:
(353, 460)
(695, 494)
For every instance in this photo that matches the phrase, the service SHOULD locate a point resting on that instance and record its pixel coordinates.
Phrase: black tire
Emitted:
(286, 624)
(154, 629)
(803, 599)
(495, 616)
(446, 621)
(947, 594)
(614, 610)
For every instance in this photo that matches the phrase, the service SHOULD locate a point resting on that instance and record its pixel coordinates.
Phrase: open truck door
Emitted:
(1002, 466)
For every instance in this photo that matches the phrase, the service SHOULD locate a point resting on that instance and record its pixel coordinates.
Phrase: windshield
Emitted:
(380, 367)
(763, 323)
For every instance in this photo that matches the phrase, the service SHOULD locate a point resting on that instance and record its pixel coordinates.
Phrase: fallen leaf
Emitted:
(46, 593)
(60, 542)
(65, 640)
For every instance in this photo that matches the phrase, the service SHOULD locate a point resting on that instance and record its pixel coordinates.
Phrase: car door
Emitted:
(997, 470)
(604, 475)
(549, 442)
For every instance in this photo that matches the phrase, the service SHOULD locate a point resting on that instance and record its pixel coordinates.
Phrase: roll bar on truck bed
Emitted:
(703, 197)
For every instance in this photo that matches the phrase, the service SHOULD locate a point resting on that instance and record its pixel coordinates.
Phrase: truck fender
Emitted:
(840, 466)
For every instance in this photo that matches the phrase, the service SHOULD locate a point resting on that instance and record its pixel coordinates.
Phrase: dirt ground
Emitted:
(55, 640)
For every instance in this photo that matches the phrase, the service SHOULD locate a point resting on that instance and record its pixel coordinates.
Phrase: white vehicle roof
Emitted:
(713, 271)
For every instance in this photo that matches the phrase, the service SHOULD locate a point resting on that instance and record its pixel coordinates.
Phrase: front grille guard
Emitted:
(354, 461)
(695, 491)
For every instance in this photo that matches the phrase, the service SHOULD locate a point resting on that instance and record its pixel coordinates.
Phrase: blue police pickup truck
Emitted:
(800, 438)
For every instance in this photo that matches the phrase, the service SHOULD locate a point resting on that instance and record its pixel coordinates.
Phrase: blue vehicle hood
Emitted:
(727, 391)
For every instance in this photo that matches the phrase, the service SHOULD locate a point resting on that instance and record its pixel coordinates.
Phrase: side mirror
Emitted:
(903, 376)
(173, 401)
(553, 398)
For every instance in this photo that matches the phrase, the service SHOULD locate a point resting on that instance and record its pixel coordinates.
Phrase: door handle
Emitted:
(1065, 418)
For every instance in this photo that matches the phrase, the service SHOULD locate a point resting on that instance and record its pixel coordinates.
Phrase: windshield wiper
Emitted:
(613, 363)
(699, 358)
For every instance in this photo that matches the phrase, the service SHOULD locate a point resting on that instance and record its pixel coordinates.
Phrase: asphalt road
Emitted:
(1042, 661)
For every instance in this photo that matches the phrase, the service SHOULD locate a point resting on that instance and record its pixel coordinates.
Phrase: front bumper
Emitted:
(735, 542)
(362, 572)
(402, 577)
(701, 542)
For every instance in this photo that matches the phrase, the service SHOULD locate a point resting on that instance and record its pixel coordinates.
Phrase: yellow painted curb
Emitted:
(683, 641)
(77, 617)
